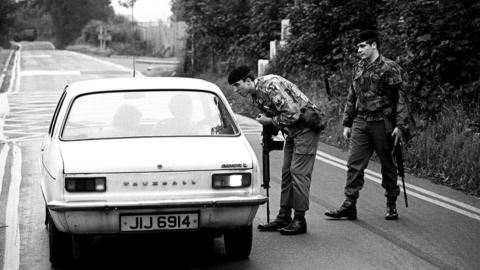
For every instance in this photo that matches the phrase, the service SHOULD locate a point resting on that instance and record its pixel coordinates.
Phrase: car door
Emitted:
(47, 141)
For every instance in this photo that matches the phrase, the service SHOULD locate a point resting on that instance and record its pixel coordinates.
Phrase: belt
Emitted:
(371, 115)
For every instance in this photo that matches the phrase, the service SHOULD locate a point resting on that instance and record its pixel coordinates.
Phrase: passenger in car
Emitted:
(181, 123)
(125, 123)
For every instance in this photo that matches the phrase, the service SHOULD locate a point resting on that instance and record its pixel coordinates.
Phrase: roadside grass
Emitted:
(447, 150)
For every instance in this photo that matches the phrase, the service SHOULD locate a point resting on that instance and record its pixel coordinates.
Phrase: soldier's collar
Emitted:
(366, 65)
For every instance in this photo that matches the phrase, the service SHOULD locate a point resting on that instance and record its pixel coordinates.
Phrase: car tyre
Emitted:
(80, 246)
(238, 242)
(60, 245)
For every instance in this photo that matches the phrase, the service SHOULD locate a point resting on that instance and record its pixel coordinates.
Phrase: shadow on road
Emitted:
(163, 251)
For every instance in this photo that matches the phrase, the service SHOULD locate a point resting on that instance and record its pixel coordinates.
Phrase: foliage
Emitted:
(223, 34)
(124, 41)
(7, 11)
(70, 16)
(29, 16)
(448, 152)
(438, 42)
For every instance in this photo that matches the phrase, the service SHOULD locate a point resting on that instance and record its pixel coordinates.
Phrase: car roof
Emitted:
(141, 83)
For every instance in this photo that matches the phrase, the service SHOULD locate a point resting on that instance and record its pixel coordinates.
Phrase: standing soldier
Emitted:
(367, 121)
(281, 103)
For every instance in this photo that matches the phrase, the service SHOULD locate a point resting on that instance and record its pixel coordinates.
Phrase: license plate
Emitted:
(159, 222)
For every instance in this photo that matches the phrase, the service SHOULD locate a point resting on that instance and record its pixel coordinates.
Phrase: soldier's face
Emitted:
(365, 50)
(242, 87)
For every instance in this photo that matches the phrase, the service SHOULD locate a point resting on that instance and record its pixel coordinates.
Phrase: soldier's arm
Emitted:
(401, 118)
(398, 87)
(289, 110)
(349, 111)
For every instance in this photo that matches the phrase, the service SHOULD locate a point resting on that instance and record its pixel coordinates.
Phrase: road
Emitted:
(439, 230)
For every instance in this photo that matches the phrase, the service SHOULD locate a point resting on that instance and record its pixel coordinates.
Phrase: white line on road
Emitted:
(3, 162)
(8, 61)
(137, 73)
(371, 177)
(16, 69)
(49, 72)
(13, 73)
(419, 189)
(12, 237)
(38, 56)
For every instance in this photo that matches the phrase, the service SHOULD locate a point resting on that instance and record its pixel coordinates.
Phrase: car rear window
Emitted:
(147, 114)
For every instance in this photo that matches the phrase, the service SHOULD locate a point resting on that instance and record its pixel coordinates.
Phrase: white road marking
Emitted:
(49, 72)
(12, 237)
(371, 176)
(419, 189)
(8, 61)
(137, 73)
(38, 56)
(3, 162)
(14, 69)
(4, 110)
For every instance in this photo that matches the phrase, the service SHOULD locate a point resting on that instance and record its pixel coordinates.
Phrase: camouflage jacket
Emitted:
(370, 94)
(280, 99)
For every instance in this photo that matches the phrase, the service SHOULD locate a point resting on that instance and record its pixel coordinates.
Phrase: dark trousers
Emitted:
(298, 160)
(365, 138)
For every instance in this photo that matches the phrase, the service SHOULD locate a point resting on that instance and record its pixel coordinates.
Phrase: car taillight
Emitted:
(231, 180)
(86, 184)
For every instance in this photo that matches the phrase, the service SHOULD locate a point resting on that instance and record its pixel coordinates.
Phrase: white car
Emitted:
(136, 155)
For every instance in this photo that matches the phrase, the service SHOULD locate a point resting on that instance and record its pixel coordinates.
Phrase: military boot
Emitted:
(279, 222)
(297, 226)
(392, 213)
(348, 210)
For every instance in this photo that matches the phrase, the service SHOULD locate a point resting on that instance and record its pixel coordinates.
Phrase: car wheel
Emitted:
(60, 245)
(46, 218)
(80, 245)
(238, 242)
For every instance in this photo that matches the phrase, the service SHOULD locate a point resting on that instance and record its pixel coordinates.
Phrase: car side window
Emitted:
(55, 114)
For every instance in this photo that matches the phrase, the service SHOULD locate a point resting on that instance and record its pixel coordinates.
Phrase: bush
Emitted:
(448, 151)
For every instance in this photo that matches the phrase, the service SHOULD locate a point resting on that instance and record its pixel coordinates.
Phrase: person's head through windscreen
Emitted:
(181, 107)
(127, 118)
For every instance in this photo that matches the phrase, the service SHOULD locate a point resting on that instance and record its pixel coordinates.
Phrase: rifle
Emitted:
(268, 144)
(398, 148)
(399, 160)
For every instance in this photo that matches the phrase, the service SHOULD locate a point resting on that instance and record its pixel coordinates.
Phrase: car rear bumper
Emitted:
(104, 218)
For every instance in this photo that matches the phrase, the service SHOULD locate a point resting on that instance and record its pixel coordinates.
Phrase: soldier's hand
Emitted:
(264, 120)
(397, 135)
(347, 132)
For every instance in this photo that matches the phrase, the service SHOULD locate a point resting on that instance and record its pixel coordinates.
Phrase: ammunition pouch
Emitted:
(313, 118)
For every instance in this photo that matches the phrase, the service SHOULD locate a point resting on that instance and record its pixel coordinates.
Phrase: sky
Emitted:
(146, 10)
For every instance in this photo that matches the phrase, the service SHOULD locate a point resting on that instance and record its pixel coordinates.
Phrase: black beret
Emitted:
(238, 74)
(365, 36)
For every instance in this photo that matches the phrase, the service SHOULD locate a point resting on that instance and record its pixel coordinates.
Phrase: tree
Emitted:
(7, 18)
(70, 16)
(28, 16)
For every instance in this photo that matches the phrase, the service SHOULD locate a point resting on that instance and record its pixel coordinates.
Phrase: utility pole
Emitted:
(133, 40)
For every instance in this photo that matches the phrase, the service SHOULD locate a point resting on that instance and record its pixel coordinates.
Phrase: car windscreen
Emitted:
(149, 113)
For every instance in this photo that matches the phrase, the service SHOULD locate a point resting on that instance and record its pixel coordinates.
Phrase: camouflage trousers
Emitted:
(367, 137)
(298, 160)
